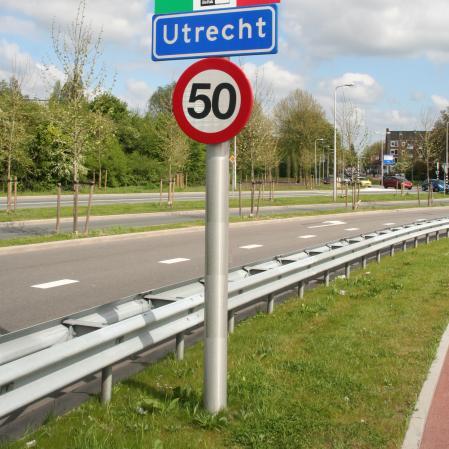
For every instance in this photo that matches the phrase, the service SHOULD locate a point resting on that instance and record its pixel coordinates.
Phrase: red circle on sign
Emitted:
(246, 100)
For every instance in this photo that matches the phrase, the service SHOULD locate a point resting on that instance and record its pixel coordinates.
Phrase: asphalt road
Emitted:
(42, 201)
(107, 269)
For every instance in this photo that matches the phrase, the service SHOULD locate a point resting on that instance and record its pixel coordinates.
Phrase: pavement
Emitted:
(11, 230)
(47, 281)
(429, 425)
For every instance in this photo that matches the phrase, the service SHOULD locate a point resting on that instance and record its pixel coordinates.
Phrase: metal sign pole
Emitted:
(216, 289)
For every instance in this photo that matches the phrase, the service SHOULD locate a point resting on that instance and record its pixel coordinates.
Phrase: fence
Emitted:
(45, 358)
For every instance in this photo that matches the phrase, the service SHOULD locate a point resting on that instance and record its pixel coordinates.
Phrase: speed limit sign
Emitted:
(213, 100)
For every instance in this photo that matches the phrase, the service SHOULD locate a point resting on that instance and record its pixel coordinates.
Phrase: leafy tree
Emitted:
(300, 120)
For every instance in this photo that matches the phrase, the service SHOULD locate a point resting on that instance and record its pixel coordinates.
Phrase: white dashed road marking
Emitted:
(55, 284)
(306, 237)
(172, 261)
(251, 246)
(389, 224)
(326, 224)
(352, 229)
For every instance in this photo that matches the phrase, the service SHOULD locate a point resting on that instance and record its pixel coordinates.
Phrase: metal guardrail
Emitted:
(45, 358)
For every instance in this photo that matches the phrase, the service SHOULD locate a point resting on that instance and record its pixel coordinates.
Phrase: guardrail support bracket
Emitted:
(301, 289)
(327, 278)
(231, 322)
(347, 270)
(106, 385)
(270, 304)
(180, 346)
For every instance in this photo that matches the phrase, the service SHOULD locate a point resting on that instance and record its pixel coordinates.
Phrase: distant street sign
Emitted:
(388, 160)
(213, 100)
(223, 32)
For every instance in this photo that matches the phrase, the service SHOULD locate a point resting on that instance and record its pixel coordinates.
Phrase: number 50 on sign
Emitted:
(213, 101)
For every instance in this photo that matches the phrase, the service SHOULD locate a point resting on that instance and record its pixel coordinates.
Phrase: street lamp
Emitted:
(315, 171)
(335, 135)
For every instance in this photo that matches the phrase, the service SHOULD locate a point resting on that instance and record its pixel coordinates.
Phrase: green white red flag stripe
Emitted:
(174, 6)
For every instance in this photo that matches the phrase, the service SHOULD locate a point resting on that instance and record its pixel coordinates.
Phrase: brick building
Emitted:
(404, 145)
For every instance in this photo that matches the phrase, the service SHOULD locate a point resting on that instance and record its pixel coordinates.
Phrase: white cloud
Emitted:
(35, 78)
(364, 28)
(273, 77)
(16, 26)
(137, 94)
(366, 89)
(440, 102)
(121, 22)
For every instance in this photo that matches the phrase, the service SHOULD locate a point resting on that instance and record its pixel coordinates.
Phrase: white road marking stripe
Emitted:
(389, 224)
(172, 261)
(352, 229)
(55, 284)
(306, 237)
(251, 246)
(326, 224)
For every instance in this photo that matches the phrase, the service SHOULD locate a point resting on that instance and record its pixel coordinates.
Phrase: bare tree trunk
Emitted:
(419, 199)
(240, 198)
(15, 193)
(89, 208)
(105, 180)
(58, 208)
(258, 200)
(75, 206)
(252, 199)
(161, 186)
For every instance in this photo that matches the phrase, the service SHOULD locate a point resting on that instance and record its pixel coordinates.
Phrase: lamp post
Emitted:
(315, 170)
(335, 135)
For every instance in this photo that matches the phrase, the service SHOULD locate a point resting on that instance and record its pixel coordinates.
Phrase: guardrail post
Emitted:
(447, 233)
(416, 242)
(437, 235)
(301, 289)
(378, 256)
(106, 385)
(364, 262)
(180, 346)
(270, 304)
(427, 239)
(231, 322)
(392, 250)
(404, 246)
(327, 278)
(347, 270)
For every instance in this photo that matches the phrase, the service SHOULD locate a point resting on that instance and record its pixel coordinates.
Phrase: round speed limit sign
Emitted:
(213, 100)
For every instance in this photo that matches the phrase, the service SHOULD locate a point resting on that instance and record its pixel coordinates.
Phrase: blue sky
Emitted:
(397, 52)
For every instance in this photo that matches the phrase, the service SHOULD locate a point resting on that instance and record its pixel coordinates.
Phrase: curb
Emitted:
(418, 420)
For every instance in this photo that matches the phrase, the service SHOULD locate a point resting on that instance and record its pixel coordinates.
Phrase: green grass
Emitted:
(121, 209)
(341, 369)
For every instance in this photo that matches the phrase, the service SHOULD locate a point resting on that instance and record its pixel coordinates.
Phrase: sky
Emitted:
(395, 51)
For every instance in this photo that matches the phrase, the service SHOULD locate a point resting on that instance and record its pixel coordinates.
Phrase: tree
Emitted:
(300, 120)
(13, 135)
(78, 53)
(354, 134)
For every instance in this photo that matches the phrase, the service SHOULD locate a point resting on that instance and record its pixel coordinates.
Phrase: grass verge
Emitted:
(340, 369)
(122, 209)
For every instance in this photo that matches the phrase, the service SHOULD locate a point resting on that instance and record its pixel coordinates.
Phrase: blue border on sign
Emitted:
(261, 51)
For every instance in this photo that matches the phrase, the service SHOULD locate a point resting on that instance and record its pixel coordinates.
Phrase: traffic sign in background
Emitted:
(213, 100)
(224, 32)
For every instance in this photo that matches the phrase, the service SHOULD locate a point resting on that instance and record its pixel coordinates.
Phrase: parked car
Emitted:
(437, 185)
(364, 181)
(396, 182)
